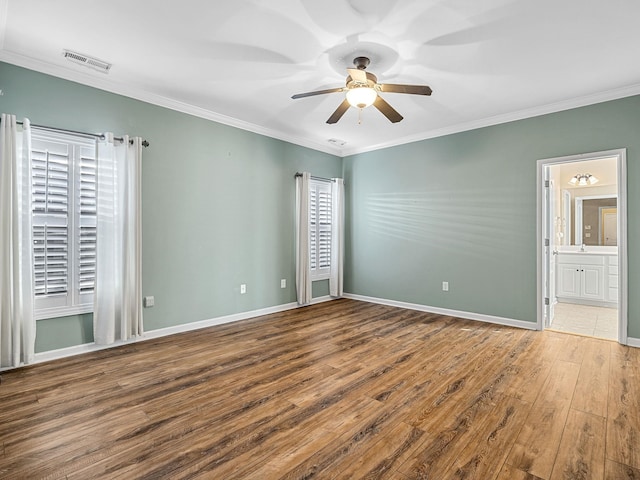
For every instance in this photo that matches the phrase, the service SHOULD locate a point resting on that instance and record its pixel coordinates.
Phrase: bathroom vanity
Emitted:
(588, 276)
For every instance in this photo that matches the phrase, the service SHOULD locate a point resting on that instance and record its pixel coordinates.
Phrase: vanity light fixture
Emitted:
(583, 179)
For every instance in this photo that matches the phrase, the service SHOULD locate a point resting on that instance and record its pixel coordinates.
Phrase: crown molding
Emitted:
(576, 102)
(161, 101)
(158, 100)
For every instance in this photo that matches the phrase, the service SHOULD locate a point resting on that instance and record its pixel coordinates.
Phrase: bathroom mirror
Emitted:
(596, 220)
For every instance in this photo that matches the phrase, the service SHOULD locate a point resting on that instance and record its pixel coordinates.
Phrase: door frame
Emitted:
(542, 252)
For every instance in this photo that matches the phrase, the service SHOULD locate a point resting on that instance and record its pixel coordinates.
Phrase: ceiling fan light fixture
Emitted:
(361, 97)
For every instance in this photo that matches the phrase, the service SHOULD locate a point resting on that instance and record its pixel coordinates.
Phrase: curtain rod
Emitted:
(320, 179)
(86, 134)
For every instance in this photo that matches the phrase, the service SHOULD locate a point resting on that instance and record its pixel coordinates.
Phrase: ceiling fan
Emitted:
(362, 91)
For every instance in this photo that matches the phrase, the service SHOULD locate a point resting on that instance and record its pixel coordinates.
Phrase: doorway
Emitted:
(582, 251)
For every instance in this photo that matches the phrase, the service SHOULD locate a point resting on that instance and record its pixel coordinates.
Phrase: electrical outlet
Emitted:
(243, 289)
(587, 227)
(148, 302)
(588, 235)
(283, 283)
(445, 286)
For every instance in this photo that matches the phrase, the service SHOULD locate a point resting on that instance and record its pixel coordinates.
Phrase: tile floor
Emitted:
(598, 322)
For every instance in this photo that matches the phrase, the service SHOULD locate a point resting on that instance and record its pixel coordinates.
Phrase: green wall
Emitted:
(462, 208)
(218, 206)
(218, 203)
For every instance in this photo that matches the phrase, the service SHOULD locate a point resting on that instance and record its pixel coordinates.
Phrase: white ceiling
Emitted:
(239, 61)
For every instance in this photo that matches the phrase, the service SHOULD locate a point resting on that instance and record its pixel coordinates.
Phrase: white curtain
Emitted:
(17, 322)
(117, 313)
(303, 273)
(337, 238)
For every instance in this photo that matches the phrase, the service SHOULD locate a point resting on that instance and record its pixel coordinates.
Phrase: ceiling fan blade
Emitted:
(356, 75)
(412, 89)
(387, 110)
(337, 115)
(318, 92)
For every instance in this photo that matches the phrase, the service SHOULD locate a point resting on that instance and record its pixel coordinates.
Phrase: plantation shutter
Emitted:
(86, 254)
(313, 230)
(320, 227)
(50, 186)
(64, 222)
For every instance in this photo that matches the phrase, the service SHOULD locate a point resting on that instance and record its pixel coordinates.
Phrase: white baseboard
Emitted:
(444, 311)
(163, 332)
(326, 298)
(633, 342)
(76, 350)
(187, 327)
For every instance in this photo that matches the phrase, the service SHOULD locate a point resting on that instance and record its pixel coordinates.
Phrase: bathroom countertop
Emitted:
(589, 251)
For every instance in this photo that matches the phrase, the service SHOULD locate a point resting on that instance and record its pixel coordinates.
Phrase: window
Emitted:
(64, 222)
(319, 229)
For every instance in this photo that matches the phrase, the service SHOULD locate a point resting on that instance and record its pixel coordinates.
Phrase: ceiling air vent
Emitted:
(87, 61)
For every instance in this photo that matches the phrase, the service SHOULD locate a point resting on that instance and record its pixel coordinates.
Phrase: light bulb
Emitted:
(361, 97)
(592, 180)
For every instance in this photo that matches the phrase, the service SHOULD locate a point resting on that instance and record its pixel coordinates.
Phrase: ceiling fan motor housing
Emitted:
(361, 62)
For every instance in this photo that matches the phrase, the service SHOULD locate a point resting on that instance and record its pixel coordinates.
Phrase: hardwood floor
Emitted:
(343, 389)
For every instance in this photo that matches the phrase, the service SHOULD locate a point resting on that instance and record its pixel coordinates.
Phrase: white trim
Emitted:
(623, 305)
(509, 322)
(326, 298)
(163, 332)
(236, 317)
(138, 94)
(159, 100)
(75, 350)
(569, 104)
(187, 327)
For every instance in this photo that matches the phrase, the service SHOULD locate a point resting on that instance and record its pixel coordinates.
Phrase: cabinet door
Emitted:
(568, 280)
(593, 282)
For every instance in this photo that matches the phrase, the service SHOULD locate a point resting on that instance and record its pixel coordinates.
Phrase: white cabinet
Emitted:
(612, 280)
(588, 277)
(583, 281)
